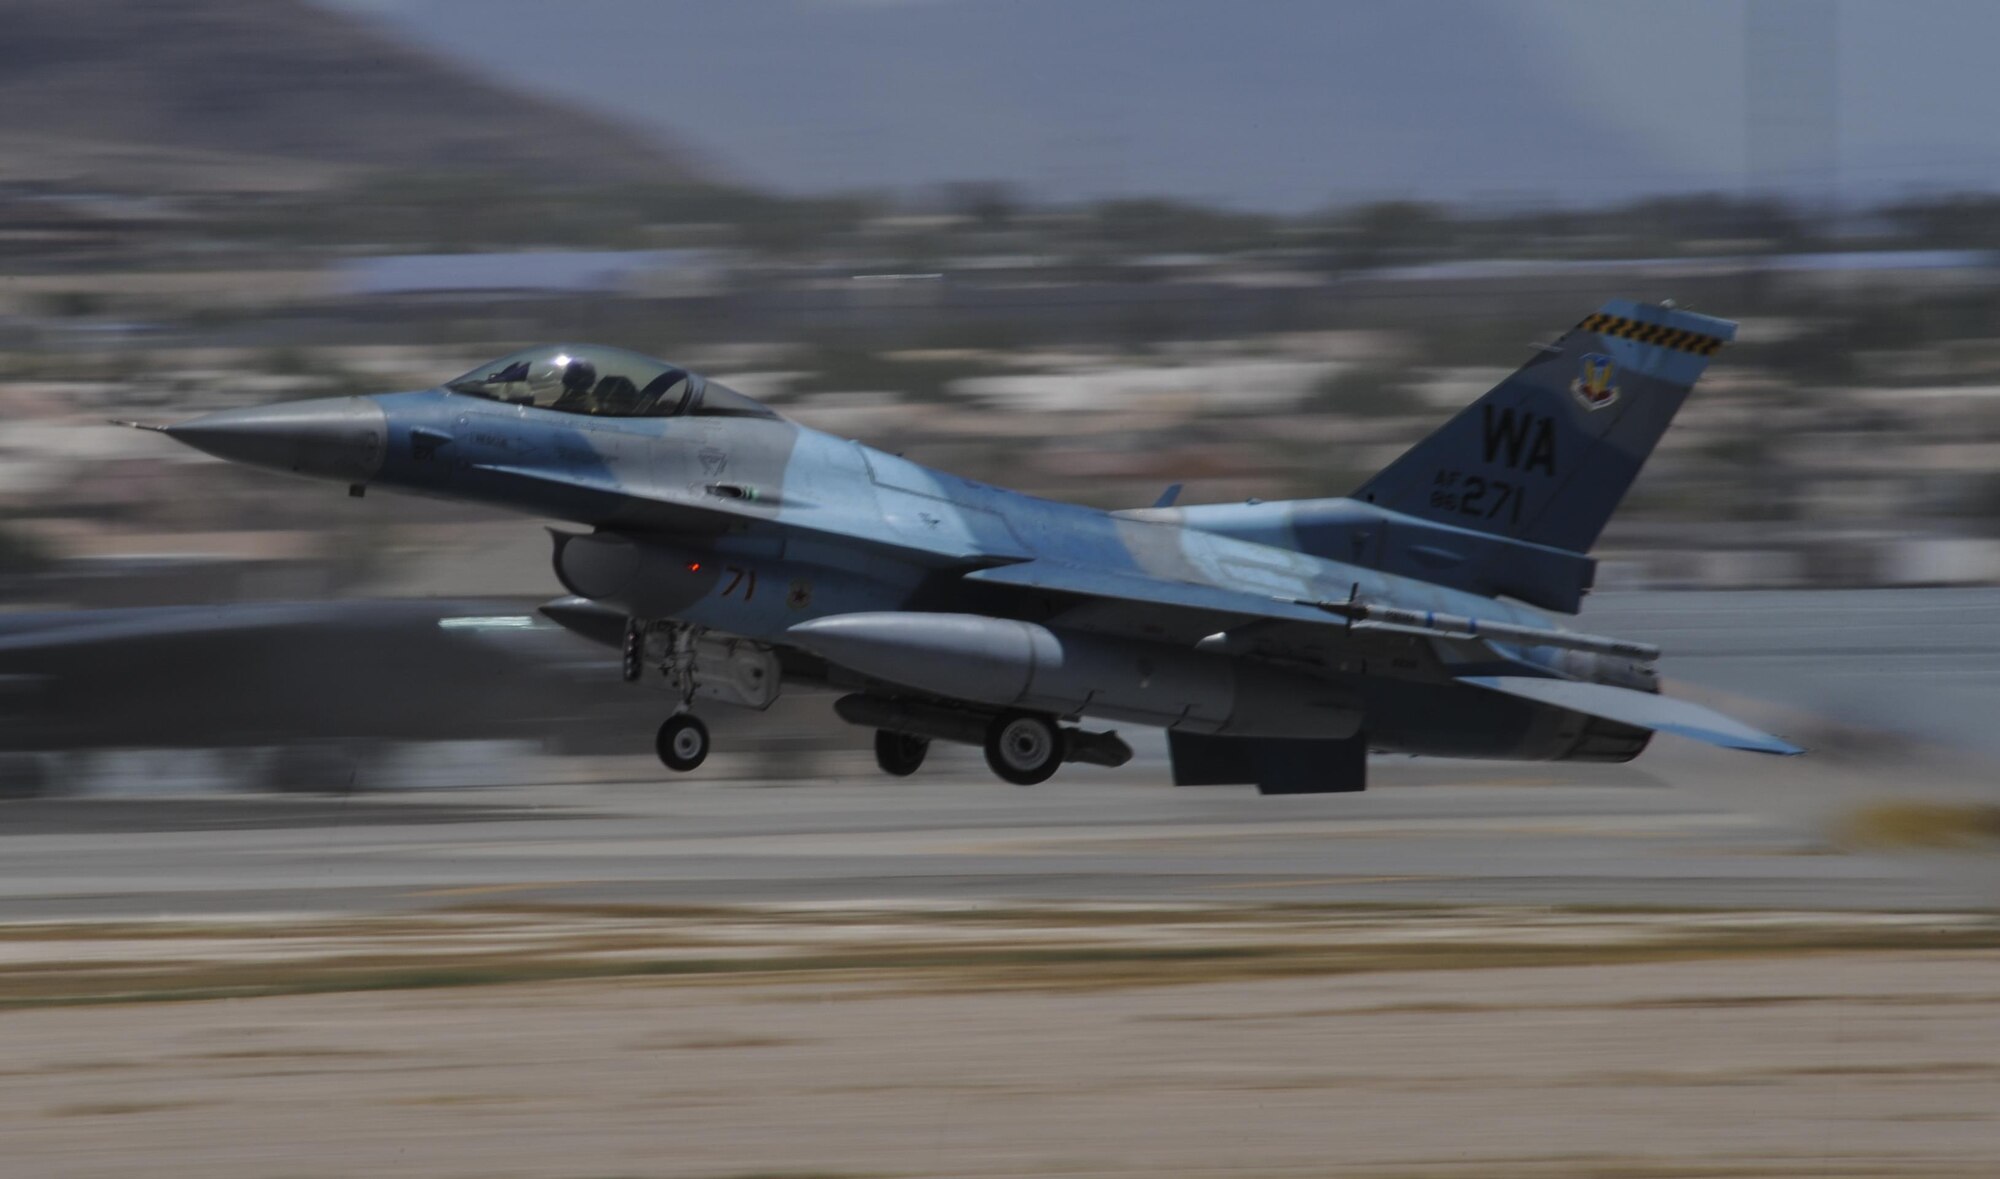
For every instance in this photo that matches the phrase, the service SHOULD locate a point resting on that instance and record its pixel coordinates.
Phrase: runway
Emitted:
(1471, 833)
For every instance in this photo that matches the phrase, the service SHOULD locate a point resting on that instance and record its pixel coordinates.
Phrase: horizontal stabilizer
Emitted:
(1644, 709)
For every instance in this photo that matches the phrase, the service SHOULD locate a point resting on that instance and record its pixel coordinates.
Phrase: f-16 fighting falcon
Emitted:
(733, 553)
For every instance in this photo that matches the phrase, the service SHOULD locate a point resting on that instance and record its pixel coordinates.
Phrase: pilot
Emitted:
(578, 378)
(615, 397)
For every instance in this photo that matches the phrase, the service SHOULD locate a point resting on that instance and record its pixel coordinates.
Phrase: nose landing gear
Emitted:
(693, 662)
(682, 743)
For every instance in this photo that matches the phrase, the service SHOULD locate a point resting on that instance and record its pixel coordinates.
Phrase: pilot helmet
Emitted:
(578, 376)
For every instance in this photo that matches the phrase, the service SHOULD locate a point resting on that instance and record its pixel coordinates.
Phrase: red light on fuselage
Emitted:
(694, 566)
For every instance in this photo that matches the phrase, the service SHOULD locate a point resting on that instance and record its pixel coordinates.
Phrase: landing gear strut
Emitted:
(682, 743)
(696, 663)
(900, 754)
(1023, 747)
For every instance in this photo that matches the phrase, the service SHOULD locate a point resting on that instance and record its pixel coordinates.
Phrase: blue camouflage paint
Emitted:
(724, 516)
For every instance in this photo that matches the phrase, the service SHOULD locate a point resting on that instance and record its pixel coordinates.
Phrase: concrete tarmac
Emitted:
(1425, 832)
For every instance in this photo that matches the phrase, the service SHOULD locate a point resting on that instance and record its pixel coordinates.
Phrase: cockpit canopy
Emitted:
(606, 382)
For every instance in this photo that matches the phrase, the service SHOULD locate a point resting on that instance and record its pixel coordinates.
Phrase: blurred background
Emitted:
(1087, 249)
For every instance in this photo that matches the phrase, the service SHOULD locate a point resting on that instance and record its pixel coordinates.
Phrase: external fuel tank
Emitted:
(1011, 664)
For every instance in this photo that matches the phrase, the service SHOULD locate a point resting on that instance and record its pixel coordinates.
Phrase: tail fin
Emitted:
(1547, 454)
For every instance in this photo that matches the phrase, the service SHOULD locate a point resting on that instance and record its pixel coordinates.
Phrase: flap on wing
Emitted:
(1628, 706)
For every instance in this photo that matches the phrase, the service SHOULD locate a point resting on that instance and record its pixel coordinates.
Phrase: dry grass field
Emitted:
(1385, 1042)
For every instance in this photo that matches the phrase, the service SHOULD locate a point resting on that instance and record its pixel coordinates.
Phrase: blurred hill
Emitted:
(234, 92)
(1278, 105)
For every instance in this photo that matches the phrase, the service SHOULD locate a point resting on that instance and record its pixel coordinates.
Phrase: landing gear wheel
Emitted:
(900, 754)
(1023, 748)
(683, 743)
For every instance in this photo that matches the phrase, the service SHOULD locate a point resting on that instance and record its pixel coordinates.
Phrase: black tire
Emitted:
(682, 743)
(1023, 748)
(900, 754)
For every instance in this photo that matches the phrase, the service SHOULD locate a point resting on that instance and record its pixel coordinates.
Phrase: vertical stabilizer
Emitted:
(1546, 455)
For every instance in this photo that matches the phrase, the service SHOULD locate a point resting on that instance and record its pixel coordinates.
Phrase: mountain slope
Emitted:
(1276, 104)
(286, 79)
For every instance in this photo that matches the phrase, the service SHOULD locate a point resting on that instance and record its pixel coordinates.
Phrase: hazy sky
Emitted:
(1917, 99)
(1271, 103)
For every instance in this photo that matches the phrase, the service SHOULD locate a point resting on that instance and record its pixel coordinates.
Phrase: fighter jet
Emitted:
(732, 553)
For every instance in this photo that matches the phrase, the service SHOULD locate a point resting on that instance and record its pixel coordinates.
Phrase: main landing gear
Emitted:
(900, 754)
(1021, 747)
(682, 743)
(1024, 748)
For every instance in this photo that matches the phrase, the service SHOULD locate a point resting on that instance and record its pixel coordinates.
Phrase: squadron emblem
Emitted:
(1593, 388)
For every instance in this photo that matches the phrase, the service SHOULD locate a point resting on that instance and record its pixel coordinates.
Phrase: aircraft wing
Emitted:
(1163, 609)
(1216, 607)
(1187, 608)
(1642, 709)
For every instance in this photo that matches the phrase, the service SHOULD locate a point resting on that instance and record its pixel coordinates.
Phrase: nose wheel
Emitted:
(1023, 748)
(682, 743)
(900, 754)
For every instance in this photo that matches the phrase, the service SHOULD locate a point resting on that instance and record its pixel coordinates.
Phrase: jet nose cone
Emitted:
(341, 438)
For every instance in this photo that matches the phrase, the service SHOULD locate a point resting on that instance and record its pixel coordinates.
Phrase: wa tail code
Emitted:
(1524, 441)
